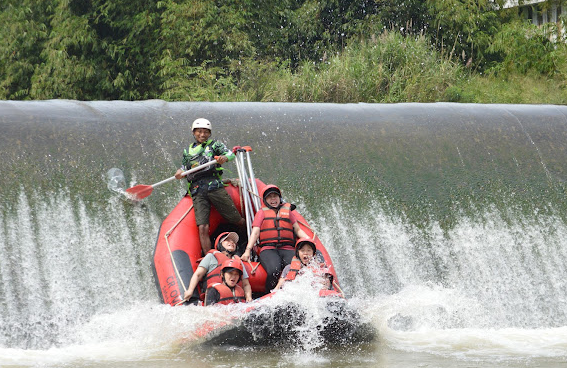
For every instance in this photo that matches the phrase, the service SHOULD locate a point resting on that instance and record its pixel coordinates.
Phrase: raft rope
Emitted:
(339, 289)
(308, 228)
(171, 253)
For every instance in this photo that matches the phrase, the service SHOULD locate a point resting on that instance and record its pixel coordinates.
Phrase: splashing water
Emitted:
(116, 180)
(446, 222)
(296, 317)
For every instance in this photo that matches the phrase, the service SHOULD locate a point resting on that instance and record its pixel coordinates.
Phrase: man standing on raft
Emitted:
(205, 186)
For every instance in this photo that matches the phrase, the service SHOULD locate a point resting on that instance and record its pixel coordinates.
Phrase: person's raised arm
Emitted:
(222, 153)
(281, 281)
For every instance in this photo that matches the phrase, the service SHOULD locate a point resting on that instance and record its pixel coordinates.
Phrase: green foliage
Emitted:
(199, 40)
(391, 68)
(464, 28)
(69, 67)
(77, 49)
(409, 17)
(524, 47)
(531, 88)
(127, 35)
(306, 30)
(256, 79)
(22, 35)
(286, 50)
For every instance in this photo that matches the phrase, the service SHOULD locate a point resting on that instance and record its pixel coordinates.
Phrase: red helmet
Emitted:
(222, 237)
(232, 264)
(268, 189)
(301, 242)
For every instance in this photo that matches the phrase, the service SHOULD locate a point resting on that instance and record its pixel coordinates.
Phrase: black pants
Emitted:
(274, 261)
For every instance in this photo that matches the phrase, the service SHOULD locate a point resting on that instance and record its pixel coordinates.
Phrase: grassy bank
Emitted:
(388, 68)
(516, 89)
(385, 69)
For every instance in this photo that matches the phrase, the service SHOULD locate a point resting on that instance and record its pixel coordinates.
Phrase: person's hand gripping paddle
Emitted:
(141, 191)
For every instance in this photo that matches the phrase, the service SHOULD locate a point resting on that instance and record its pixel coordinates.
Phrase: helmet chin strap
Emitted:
(223, 249)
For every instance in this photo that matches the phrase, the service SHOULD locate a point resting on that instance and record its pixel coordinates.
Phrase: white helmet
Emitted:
(201, 123)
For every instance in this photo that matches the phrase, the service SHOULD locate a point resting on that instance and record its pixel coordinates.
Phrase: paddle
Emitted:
(142, 191)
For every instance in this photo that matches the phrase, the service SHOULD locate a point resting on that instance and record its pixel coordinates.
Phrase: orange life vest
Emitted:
(294, 268)
(277, 229)
(228, 295)
(215, 275)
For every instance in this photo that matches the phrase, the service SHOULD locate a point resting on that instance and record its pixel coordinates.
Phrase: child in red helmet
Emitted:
(227, 292)
(305, 251)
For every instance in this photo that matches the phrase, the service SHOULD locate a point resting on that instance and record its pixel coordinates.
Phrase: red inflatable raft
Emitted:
(178, 249)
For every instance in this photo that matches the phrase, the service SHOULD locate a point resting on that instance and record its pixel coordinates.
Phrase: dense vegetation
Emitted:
(279, 50)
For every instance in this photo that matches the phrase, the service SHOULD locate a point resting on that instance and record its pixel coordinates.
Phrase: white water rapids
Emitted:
(77, 289)
(446, 224)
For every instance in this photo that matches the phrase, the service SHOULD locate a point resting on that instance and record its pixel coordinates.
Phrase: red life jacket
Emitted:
(294, 268)
(228, 295)
(277, 229)
(215, 276)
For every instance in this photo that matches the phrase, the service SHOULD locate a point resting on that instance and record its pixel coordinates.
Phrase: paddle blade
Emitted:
(140, 191)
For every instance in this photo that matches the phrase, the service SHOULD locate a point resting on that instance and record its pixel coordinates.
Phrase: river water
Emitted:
(446, 224)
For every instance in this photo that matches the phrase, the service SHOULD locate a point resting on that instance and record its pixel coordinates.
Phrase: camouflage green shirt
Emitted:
(198, 154)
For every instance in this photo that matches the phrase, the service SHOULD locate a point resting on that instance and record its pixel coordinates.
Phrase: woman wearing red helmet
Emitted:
(210, 267)
(276, 227)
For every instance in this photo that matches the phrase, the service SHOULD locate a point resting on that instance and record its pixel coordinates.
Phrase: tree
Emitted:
(22, 36)
(97, 50)
(464, 28)
(199, 40)
(525, 47)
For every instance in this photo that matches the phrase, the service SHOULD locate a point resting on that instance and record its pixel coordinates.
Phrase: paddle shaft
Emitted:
(185, 173)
